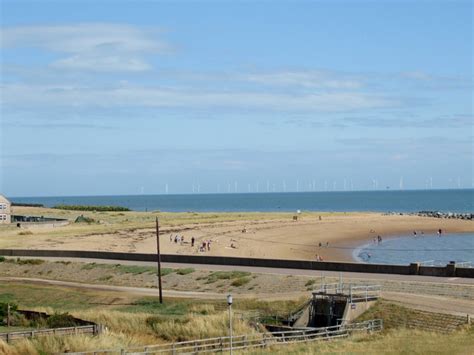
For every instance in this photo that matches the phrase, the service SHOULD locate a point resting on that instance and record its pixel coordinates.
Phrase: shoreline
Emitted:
(253, 235)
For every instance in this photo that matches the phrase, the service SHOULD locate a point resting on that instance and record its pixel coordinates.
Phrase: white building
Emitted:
(5, 210)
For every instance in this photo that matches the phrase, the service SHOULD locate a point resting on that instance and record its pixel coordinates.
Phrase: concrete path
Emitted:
(431, 303)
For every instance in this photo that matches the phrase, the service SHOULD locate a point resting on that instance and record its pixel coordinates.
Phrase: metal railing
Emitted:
(248, 341)
(354, 292)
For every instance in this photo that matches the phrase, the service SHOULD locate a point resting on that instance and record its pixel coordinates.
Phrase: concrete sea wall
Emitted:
(413, 269)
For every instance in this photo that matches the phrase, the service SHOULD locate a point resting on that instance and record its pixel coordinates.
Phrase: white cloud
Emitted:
(89, 46)
(101, 63)
(157, 97)
(308, 79)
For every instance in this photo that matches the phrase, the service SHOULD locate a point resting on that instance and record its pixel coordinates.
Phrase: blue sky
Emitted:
(130, 97)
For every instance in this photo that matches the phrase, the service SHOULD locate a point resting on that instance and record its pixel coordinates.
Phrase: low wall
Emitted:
(223, 260)
(47, 224)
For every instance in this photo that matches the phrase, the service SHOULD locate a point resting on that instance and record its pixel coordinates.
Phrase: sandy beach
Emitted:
(249, 235)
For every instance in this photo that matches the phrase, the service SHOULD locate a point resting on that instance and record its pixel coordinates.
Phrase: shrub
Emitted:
(2, 259)
(27, 232)
(82, 219)
(4, 309)
(29, 261)
(225, 275)
(185, 271)
(59, 320)
(240, 281)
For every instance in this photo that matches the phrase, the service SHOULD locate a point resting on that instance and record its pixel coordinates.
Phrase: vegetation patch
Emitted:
(91, 208)
(126, 269)
(26, 232)
(152, 305)
(83, 219)
(240, 281)
(185, 271)
(25, 261)
(225, 275)
(60, 320)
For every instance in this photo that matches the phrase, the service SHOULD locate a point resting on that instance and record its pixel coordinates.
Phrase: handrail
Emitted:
(219, 344)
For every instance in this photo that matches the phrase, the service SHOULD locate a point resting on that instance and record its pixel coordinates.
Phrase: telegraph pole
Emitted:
(158, 258)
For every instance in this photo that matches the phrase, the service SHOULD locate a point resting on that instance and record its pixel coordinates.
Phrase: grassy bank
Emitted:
(134, 321)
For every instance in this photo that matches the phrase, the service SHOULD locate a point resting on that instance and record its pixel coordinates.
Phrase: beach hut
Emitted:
(5, 210)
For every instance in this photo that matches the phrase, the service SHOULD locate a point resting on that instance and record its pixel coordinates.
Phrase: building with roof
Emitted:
(5, 210)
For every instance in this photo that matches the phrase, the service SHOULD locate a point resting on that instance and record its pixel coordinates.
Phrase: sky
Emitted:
(151, 97)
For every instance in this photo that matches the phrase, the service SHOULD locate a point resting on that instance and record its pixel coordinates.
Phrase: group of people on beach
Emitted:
(205, 245)
(378, 240)
(440, 231)
(177, 239)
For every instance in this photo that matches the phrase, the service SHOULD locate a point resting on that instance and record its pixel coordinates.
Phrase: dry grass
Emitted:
(396, 341)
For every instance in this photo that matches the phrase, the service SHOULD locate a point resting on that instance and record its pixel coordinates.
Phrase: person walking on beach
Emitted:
(192, 241)
(439, 232)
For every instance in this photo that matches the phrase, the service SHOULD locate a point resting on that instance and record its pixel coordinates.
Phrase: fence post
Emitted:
(264, 340)
(173, 348)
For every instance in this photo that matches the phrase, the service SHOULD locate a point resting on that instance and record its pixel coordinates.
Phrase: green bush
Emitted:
(225, 275)
(82, 219)
(240, 281)
(2, 259)
(4, 309)
(29, 261)
(185, 271)
(60, 320)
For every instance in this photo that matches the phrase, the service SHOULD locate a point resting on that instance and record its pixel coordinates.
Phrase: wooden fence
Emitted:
(239, 342)
(84, 329)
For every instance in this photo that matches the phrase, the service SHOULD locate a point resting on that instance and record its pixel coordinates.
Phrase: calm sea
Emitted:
(429, 249)
(380, 201)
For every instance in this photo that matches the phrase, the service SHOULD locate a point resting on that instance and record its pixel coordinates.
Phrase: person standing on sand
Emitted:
(192, 241)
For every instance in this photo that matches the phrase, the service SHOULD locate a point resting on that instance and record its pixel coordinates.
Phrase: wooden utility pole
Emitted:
(158, 258)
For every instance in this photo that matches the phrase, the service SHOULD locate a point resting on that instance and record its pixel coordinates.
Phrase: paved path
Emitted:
(432, 303)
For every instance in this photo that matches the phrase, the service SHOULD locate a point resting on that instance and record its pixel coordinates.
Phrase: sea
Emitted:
(458, 201)
(428, 249)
